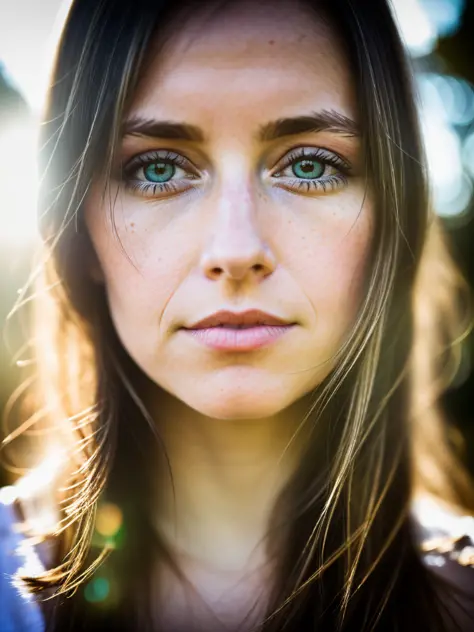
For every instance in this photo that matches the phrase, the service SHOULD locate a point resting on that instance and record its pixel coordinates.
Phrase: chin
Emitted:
(237, 403)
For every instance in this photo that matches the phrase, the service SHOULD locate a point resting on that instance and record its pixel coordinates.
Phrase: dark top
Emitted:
(445, 539)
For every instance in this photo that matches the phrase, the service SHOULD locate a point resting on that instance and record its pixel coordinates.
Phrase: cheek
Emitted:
(138, 296)
(142, 270)
(330, 265)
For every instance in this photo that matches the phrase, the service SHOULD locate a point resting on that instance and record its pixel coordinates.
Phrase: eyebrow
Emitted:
(323, 121)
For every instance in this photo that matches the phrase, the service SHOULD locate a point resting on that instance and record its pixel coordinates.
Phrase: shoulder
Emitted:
(18, 610)
(445, 539)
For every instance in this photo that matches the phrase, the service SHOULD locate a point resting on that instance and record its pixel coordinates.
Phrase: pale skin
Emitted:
(235, 236)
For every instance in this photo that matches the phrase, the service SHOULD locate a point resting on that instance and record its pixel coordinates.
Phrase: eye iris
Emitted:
(308, 169)
(159, 171)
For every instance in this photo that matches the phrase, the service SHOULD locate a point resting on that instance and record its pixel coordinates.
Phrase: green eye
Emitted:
(308, 168)
(159, 172)
(313, 168)
(304, 168)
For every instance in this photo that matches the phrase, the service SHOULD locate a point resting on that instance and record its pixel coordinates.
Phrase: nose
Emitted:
(236, 249)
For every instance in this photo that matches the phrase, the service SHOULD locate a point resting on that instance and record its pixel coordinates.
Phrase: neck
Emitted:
(227, 475)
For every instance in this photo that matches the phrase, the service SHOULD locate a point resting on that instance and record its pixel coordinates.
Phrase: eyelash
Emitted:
(322, 183)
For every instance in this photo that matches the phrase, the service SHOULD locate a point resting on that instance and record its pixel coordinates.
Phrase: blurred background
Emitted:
(439, 35)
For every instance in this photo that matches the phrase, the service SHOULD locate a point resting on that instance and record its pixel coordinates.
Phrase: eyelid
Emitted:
(302, 151)
(146, 158)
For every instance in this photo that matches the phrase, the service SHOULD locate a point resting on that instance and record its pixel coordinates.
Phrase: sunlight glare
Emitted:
(18, 185)
(41, 476)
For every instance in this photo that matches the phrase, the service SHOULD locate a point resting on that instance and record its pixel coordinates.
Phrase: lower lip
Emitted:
(225, 338)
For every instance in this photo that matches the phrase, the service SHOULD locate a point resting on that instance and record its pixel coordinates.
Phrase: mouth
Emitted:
(248, 318)
(238, 337)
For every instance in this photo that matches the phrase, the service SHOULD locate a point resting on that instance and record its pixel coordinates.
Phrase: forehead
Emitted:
(246, 55)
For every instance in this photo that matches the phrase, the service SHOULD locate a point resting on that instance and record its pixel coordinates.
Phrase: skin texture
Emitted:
(239, 239)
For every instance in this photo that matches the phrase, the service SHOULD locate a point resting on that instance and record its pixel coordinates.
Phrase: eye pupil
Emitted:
(159, 171)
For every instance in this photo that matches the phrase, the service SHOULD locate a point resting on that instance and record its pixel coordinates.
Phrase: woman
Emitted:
(234, 213)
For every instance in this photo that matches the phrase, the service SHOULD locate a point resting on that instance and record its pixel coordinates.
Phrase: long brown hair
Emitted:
(343, 536)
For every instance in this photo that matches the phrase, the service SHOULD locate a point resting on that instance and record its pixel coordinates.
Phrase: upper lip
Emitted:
(249, 317)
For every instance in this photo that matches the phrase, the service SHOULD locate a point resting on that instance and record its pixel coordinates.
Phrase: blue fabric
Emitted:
(19, 612)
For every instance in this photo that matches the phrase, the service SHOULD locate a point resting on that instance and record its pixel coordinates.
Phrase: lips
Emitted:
(225, 338)
(239, 320)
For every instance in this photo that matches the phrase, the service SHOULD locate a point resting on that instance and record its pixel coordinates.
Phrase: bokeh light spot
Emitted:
(97, 590)
(468, 153)
(109, 519)
(445, 15)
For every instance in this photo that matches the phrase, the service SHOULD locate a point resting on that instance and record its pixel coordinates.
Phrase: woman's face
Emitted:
(231, 218)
